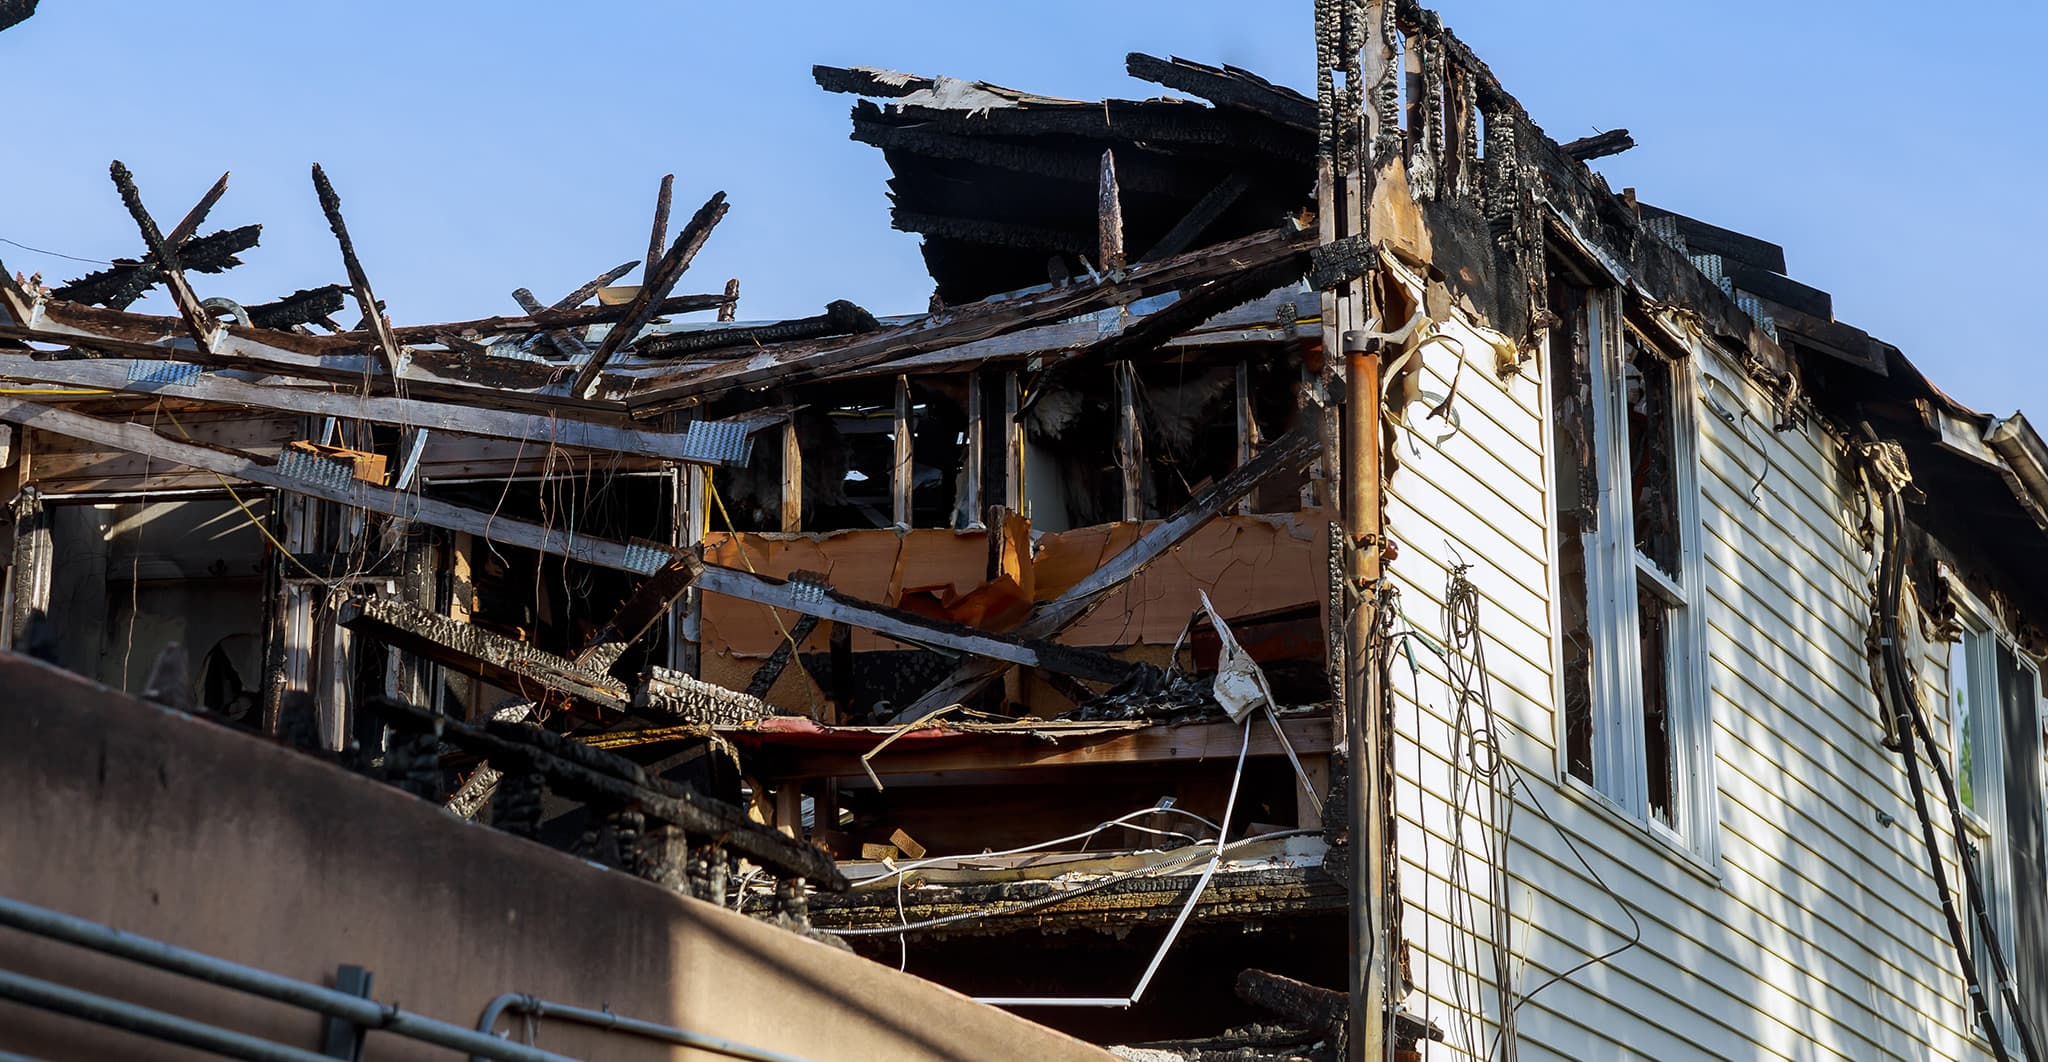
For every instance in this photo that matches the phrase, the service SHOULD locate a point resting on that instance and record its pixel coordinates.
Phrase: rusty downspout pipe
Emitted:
(1360, 474)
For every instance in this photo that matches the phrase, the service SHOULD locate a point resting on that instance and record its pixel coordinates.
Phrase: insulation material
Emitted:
(1247, 564)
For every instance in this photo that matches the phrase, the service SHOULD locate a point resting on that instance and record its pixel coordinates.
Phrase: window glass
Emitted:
(1653, 466)
(1959, 720)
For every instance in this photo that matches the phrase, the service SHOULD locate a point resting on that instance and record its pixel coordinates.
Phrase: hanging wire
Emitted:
(1482, 774)
(55, 254)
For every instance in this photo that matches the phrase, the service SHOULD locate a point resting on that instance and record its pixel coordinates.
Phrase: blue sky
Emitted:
(482, 147)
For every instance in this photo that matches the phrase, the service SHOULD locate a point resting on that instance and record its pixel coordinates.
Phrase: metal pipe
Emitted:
(520, 1003)
(1359, 472)
(121, 1014)
(367, 1013)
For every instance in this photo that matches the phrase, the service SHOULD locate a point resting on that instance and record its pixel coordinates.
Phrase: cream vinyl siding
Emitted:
(1814, 933)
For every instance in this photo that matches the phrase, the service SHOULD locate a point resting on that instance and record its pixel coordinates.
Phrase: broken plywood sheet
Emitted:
(1248, 564)
(934, 572)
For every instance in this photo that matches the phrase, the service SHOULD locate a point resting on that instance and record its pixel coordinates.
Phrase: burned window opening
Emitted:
(1653, 617)
(1577, 491)
(1653, 468)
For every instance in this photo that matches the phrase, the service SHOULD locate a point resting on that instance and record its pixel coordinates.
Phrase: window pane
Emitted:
(1960, 723)
(1653, 467)
(1654, 617)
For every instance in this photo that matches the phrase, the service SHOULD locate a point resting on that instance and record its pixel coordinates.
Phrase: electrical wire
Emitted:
(1477, 730)
(1905, 696)
(55, 254)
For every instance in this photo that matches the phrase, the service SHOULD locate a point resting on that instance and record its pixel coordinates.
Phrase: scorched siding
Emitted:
(1813, 933)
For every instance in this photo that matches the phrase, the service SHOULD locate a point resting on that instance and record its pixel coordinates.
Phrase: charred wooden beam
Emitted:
(953, 326)
(731, 309)
(902, 469)
(1322, 1010)
(655, 242)
(1160, 125)
(659, 282)
(840, 318)
(15, 12)
(1226, 87)
(135, 377)
(580, 775)
(552, 319)
(992, 233)
(198, 323)
(673, 693)
(1109, 218)
(649, 603)
(771, 669)
(1140, 171)
(1200, 216)
(1599, 145)
(403, 505)
(121, 284)
(471, 650)
(380, 325)
(1148, 333)
(1289, 451)
(304, 306)
(565, 342)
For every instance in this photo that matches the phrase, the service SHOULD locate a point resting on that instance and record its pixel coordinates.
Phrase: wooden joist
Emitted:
(404, 505)
(132, 376)
(804, 362)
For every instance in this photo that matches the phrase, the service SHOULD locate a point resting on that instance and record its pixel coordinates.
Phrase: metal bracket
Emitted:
(339, 1037)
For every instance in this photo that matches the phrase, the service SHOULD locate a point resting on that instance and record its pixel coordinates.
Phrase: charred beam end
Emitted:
(330, 205)
(577, 779)
(1323, 1010)
(165, 252)
(304, 306)
(1226, 87)
(120, 285)
(860, 81)
(472, 650)
(841, 318)
(15, 12)
(1599, 145)
(666, 692)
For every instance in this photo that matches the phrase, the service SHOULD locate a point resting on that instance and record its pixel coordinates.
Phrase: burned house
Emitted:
(1322, 576)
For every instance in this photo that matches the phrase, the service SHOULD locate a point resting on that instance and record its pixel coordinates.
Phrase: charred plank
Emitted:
(841, 318)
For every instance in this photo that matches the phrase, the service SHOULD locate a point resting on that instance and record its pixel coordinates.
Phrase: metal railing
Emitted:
(364, 1014)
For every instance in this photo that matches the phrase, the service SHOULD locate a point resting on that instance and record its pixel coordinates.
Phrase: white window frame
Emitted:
(1978, 646)
(1614, 570)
